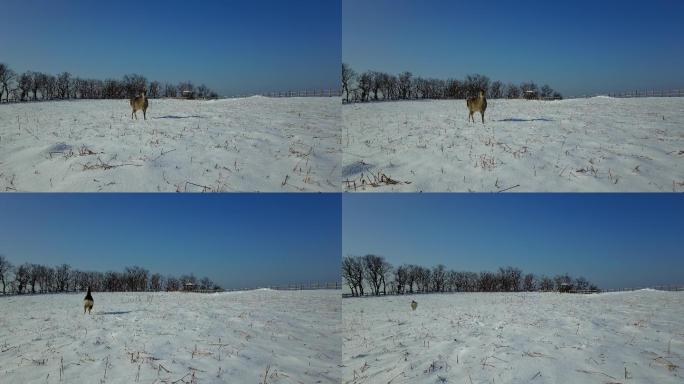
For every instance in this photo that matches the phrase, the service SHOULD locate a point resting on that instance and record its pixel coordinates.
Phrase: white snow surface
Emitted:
(248, 144)
(515, 338)
(228, 338)
(598, 144)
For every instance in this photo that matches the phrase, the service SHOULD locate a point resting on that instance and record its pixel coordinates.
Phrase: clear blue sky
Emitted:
(233, 46)
(238, 240)
(614, 240)
(577, 46)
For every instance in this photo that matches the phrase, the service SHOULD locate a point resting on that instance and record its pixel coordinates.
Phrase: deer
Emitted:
(139, 103)
(477, 104)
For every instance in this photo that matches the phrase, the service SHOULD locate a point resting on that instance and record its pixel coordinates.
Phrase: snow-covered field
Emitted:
(248, 144)
(596, 144)
(172, 338)
(515, 338)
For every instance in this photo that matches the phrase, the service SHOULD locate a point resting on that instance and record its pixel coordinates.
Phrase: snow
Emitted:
(599, 144)
(163, 337)
(248, 144)
(515, 338)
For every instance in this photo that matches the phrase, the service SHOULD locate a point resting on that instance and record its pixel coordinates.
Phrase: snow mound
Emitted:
(228, 145)
(163, 337)
(598, 144)
(513, 338)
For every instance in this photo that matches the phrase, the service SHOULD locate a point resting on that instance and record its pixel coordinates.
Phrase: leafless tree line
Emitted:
(36, 278)
(34, 86)
(380, 277)
(376, 86)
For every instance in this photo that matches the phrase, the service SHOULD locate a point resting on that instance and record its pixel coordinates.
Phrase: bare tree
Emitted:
(37, 83)
(206, 283)
(401, 278)
(528, 282)
(25, 83)
(155, 282)
(172, 284)
(186, 89)
(203, 91)
(529, 90)
(475, 83)
(455, 89)
(404, 85)
(413, 272)
(22, 276)
(374, 271)
(438, 278)
(154, 90)
(348, 76)
(512, 91)
(581, 284)
(365, 84)
(496, 90)
(349, 274)
(134, 84)
(5, 270)
(62, 277)
(170, 90)
(424, 279)
(563, 282)
(6, 78)
(546, 283)
(113, 89)
(546, 91)
(63, 84)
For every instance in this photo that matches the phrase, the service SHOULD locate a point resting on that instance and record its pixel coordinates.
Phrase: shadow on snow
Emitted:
(178, 117)
(112, 313)
(516, 119)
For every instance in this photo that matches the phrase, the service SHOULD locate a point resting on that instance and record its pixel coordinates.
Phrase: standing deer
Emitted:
(138, 103)
(477, 104)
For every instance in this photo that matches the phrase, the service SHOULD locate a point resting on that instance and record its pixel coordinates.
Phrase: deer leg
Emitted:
(482, 113)
(145, 114)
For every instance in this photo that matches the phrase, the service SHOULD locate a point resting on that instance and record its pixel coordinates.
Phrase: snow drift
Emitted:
(599, 144)
(515, 338)
(250, 144)
(166, 337)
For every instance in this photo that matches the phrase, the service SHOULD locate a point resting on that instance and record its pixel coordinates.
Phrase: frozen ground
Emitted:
(249, 144)
(597, 144)
(515, 338)
(172, 338)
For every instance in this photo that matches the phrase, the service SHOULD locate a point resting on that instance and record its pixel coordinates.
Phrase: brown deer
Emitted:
(138, 103)
(477, 104)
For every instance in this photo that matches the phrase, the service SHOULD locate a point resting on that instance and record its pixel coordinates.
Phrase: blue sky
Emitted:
(234, 47)
(577, 46)
(238, 240)
(614, 240)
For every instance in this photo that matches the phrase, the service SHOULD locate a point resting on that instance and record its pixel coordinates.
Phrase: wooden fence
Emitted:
(669, 288)
(636, 93)
(296, 287)
(306, 93)
(650, 93)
